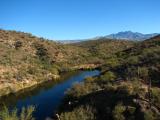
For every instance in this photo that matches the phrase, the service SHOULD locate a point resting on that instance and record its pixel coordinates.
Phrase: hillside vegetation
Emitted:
(127, 89)
(104, 48)
(27, 60)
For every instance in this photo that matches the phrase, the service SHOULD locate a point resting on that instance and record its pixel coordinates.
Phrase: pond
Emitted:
(47, 96)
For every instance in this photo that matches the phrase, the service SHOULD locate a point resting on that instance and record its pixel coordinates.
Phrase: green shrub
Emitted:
(131, 110)
(118, 112)
(80, 113)
(26, 114)
(108, 76)
(18, 44)
(112, 62)
(143, 72)
(133, 60)
(156, 96)
(148, 115)
(79, 90)
(41, 52)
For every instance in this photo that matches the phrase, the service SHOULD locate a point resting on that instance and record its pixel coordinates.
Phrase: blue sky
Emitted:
(79, 19)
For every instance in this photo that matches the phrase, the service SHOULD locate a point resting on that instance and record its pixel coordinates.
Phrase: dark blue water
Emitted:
(47, 96)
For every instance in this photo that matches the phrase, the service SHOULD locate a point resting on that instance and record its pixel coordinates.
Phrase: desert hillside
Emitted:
(127, 89)
(29, 59)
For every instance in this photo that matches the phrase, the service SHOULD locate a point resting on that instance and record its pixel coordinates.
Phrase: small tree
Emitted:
(18, 44)
(42, 52)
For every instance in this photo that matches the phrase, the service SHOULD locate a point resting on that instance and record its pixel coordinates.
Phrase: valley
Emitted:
(126, 85)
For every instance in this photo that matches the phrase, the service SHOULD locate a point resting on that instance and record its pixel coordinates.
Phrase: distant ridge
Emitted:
(129, 35)
(126, 35)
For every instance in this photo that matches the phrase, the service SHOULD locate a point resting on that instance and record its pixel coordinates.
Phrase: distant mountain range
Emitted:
(129, 35)
(126, 35)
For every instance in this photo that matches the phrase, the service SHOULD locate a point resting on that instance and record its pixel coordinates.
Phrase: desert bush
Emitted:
(133, 60)
(18, 44)
(108, 77)
(118, 112)
(143, 72)
(80, 113)
(79, 90)
(112, 62)
(25, 114)
(148, 115)
(41, 52)
(155, 96)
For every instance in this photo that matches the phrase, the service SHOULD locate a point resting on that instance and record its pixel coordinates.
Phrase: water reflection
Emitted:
(47, 96)
(11, 99)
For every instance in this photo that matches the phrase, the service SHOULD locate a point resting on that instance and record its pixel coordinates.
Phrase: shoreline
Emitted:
(13, 88)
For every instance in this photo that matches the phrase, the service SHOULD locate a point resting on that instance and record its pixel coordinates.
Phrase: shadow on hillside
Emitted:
(102, 101)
